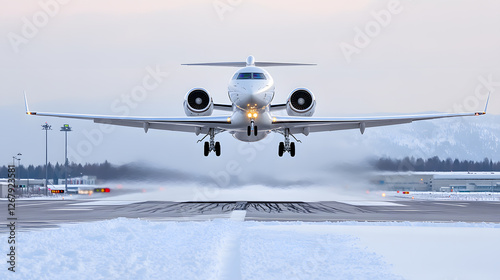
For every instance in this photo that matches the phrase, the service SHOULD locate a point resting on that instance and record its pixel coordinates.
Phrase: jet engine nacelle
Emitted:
(301, 102)
(198, 102)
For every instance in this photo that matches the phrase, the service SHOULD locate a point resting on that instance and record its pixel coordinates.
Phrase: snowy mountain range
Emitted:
(471, 138)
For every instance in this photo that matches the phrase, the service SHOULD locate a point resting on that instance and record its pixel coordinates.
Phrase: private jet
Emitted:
(251, 115)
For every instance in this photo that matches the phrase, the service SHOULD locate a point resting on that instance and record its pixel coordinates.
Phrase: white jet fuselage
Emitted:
(251, 91)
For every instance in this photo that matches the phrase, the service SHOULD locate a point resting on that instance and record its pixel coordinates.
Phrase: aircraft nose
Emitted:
(252, 95)
(259, 97)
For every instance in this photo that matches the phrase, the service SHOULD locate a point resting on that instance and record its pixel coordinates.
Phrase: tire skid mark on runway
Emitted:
(52, 214)
(228, 207)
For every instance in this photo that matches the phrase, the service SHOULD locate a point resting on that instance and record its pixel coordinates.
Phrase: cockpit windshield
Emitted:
(248, 76)
(244, 76)
(259, 76)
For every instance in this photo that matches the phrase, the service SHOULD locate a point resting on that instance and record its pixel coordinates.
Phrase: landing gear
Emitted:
(211, 146)
(287, 146)
(217, 148)
(207, 149)
(250, 128)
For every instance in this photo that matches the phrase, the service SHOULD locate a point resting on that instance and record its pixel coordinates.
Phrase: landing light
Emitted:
(249, 115)
(255, 115)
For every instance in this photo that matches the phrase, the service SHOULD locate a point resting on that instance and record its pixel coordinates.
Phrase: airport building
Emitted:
(36, 187)
(32, 186)
(439, 181)
(84, 180)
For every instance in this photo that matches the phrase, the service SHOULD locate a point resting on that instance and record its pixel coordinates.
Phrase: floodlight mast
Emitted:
(66, 128)
(17, 173)
(46, 127)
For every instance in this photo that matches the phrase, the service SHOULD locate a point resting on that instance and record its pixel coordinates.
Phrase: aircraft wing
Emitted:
(184, 124)
(306, 125)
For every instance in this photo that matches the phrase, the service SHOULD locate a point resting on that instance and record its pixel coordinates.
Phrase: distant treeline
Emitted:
(103, 171)
(106, 171)
(435, 164)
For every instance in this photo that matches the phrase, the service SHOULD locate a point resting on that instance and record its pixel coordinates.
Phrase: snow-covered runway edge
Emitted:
(228, 249)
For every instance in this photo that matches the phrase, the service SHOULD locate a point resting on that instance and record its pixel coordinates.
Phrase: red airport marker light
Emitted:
(102, 190)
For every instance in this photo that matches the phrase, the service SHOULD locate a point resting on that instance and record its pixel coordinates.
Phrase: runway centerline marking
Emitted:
(238, 215)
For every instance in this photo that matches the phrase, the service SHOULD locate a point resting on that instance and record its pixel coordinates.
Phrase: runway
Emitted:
(38, 214)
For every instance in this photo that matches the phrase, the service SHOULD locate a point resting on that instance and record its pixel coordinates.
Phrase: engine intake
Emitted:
(198, 102)
(301, 102)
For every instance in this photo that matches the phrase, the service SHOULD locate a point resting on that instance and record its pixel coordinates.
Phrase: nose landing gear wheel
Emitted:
(292, 149)
(281, 149)
(249, 131)
(217, 148)
(255, 130)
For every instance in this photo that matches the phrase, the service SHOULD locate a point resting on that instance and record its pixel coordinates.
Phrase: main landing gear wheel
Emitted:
(206, 150)
(281, 149)
(217, 148)
(287, 146)
(211, 145)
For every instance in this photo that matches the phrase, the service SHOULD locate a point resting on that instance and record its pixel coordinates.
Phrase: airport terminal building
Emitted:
(439, 181)
(31, 187)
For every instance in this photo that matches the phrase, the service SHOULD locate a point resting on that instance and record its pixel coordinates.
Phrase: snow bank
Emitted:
(138, 249)
(224, 249)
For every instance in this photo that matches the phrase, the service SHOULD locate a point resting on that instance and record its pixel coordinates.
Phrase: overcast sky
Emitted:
(373, 57)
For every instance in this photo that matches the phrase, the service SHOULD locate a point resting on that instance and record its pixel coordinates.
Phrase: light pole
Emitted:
(66, 128)
(17, 174)
(19, 166)
(46, 127)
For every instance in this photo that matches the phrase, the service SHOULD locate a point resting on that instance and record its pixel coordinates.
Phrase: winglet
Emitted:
(28, 112)
(487, 100)
(485, 107)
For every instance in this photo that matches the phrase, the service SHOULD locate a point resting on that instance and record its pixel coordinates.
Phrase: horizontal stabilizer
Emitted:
(243, 64)
(250, 62)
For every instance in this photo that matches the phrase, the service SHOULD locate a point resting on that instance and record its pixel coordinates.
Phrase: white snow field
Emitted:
(230, 249)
